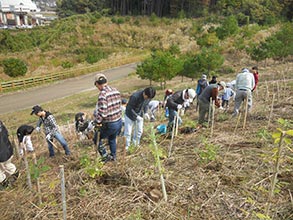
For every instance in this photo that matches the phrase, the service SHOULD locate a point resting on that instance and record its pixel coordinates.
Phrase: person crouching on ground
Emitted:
(134, 114)
(210, 92)
(7, 168)
(108, 117)
(176, 102)
(50, 128)
(24, 138)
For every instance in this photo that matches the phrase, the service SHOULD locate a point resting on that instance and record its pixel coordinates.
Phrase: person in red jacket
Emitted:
(255, 74)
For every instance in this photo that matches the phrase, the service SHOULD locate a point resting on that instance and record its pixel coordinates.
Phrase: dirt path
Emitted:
(28, 98)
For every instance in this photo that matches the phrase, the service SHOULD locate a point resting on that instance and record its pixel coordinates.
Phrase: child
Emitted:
(24, 137)
(51, 129)
(228, 93)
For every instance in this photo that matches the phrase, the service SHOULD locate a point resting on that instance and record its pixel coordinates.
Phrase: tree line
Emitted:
(253, 11)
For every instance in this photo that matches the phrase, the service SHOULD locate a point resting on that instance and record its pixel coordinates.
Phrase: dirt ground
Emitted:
(220, 172)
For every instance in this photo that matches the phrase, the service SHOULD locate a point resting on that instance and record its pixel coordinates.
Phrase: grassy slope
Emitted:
(234, 184)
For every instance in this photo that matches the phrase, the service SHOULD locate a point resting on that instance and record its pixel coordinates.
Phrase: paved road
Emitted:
(28, 98)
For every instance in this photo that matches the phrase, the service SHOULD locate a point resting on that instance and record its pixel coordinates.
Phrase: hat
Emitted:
(150, 92)
(169, 92)
(204, 76)
(223, 84)
(36, 109)
(100, 79)
(245, 70)
(191, 94)
(124, 101)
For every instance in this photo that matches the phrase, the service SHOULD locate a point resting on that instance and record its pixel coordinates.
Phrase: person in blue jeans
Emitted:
(107, 117)
(50, 128)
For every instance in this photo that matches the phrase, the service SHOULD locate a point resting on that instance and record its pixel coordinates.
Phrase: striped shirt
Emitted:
(108, 107)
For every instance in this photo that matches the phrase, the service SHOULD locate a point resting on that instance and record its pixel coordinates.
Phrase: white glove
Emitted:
(179, 107)
(48, 137)
(146, 116)
(138, 118)
(38, 129)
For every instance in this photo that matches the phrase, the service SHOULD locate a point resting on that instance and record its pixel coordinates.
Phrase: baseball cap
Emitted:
(223, 84)
(36, 109)
(191, 94)
(100, 79)
(204, 76)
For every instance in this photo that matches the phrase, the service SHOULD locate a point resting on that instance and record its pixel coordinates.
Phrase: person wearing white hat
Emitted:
(177, 101)
(210, 92)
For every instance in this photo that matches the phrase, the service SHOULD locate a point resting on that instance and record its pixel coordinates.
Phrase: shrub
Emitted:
(14, 67)
(66, 64)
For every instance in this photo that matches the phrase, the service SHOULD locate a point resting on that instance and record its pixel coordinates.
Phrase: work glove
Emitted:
(48, 137)
(179, 107)
(146, 116)
(139, 118)
(38, 129)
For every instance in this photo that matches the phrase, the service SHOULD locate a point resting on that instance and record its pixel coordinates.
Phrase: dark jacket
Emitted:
(24, 130)
(6, 150)
(135, 105)
(175, 100)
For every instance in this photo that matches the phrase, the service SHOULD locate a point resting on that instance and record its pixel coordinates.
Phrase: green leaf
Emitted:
(261, 216)
(288, 141)
(277, 140)
(289, 132)
(276, 135)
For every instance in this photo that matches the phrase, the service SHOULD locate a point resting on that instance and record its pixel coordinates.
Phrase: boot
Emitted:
(4, 184)
(14, 176)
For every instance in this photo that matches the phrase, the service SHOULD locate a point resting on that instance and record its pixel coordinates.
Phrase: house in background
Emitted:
(19, 13)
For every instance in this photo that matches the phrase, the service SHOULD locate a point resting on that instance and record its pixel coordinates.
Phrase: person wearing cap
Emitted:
(24, 138)
(255, 74)
(107, 115)
(168, 93)
(151, 108)
(213, 81)
(176, 102)
(244, 86)
(202, 83)
(134, 115)
(51, 129)
(7, 168)
(209, 93)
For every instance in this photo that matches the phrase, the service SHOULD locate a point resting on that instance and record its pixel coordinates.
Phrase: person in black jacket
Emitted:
(176, 102)
(7, 168)
(134, 114)
(24, 138)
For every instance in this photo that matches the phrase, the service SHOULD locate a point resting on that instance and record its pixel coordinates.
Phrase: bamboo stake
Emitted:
(246, 111)
(213, 117)
(123, 152)
(276, 171)
(63, 191)
(172, 137)
(28, 175)
(210, 109)
(177, 122)
(271, 112)
(38, 180)
(268, 92)
(278, 91)
(159, 166)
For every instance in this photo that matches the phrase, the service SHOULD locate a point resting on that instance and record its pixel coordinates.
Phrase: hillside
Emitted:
(224, 176)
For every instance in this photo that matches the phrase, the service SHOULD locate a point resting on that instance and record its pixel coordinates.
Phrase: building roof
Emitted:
(18, 6)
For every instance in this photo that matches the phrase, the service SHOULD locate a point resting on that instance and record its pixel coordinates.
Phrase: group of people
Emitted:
(112, 112)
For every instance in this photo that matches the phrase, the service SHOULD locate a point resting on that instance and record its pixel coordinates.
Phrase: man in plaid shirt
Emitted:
(51, 129)
(107, 116)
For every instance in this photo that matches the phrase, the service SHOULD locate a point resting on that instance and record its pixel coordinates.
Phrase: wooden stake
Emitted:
(177, 122)
(210, 109)
(38, 180)
(246, 111)
(172, 137)
(63, 193)
(28, 174)
(213, 117)
(271, 112)
(159, 167)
